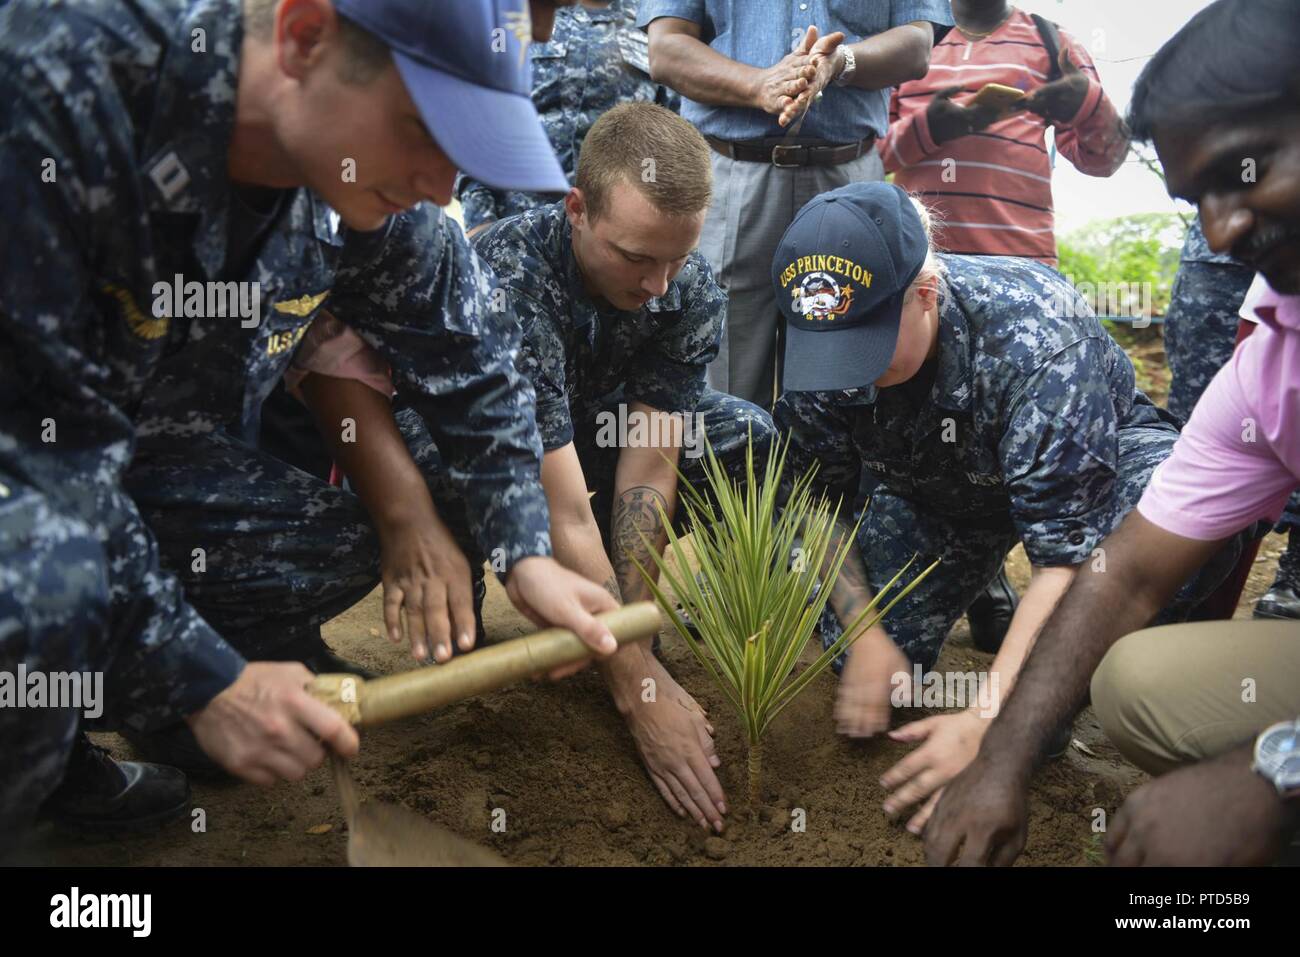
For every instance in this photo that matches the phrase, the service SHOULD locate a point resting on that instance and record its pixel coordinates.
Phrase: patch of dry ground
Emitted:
(557, 759)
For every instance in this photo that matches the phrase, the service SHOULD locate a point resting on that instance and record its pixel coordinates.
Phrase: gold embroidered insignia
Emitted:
(142, 326)
(302, 306)
(521, 25)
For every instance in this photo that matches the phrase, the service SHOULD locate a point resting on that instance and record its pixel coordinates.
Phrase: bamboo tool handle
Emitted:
(368, 703)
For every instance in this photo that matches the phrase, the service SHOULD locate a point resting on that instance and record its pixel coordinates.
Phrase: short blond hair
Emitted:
(932, 268)
(653, 149)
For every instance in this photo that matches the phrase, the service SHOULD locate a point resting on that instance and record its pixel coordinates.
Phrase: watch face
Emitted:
(1278, 753)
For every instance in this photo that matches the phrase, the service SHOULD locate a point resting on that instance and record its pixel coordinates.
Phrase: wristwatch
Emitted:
(850, 65)
(1277, 757)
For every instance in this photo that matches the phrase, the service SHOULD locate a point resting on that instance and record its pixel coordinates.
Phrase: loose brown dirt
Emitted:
(558, 762)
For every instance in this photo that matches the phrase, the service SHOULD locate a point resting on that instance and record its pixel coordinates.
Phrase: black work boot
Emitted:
(101, 798)
(990, 614)
(480, 594)
(312, 651)
(174, 745)
(480, 633)
(1282, 600)
(1059, 742)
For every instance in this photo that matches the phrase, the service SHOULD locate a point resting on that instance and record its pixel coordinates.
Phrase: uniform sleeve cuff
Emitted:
(178, 679)
(516, 526)
(1064, 541)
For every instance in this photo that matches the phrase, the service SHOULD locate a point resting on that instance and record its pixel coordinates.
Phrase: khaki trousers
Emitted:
(1179, 694)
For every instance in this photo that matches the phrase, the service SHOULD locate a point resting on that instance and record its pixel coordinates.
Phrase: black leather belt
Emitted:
(786, 155)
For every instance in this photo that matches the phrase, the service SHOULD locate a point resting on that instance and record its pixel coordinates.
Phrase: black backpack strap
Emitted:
(1051, 38)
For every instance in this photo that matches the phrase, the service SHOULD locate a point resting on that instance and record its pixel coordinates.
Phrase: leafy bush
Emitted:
(1137, 249)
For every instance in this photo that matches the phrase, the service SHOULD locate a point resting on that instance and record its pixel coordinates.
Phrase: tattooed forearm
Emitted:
(611, 586)
(851, 590)
(636, 522)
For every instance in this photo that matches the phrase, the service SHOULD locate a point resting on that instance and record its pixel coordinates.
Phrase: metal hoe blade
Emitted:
(386, 835)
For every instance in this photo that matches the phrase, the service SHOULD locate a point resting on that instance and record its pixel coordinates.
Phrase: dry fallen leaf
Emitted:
(320, 828)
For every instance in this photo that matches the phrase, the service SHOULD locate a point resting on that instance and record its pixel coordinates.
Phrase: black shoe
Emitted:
(177, 746)
(990, 614)
(1059, 743)
(100, 797)
(1290, 853)
(480, 596)
(685, 615)
(1280, 601)
(480, 633)
(312, 651)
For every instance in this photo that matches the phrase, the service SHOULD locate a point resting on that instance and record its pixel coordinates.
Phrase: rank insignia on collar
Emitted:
(170, 176)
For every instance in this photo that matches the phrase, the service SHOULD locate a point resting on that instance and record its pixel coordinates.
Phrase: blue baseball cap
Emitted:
(841, 271)
(465, 64)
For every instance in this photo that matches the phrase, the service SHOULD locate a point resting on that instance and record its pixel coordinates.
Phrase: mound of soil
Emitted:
(554, 769)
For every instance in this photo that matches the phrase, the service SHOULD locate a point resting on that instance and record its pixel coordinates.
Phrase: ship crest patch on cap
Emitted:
(827, 285)
(819, 296)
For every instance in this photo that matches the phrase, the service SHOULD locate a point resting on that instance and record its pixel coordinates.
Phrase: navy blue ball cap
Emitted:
(841, 271)
(465, 64)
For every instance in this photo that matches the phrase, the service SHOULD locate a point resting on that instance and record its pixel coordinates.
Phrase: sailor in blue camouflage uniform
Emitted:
(283, 550)
(991, 407)
(119, 129)
(1200, 335)
(586, 359)
(1201, 322)
(595, 59)
(621, 316)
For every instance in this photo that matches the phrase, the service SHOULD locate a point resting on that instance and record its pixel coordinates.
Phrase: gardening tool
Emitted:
(382, 834)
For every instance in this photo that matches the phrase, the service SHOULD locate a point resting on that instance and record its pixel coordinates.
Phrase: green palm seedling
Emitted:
(754, 609)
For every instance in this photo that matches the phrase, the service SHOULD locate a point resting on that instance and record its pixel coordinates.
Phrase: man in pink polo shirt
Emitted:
(1210, 707)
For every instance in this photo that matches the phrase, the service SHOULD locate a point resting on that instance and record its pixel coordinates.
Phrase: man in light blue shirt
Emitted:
(744, 80)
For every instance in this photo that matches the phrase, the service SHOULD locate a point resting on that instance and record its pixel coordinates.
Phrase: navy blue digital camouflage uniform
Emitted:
(1201, 328)
(595, 60)
(113, 135)
(1201, 322)
(1030, 429)
(585, 359)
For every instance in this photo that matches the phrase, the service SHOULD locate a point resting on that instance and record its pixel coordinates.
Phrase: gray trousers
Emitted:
(753, 203)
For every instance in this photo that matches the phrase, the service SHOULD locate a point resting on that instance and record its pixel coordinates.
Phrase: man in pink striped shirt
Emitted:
(987, 173)
(1209, 706)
